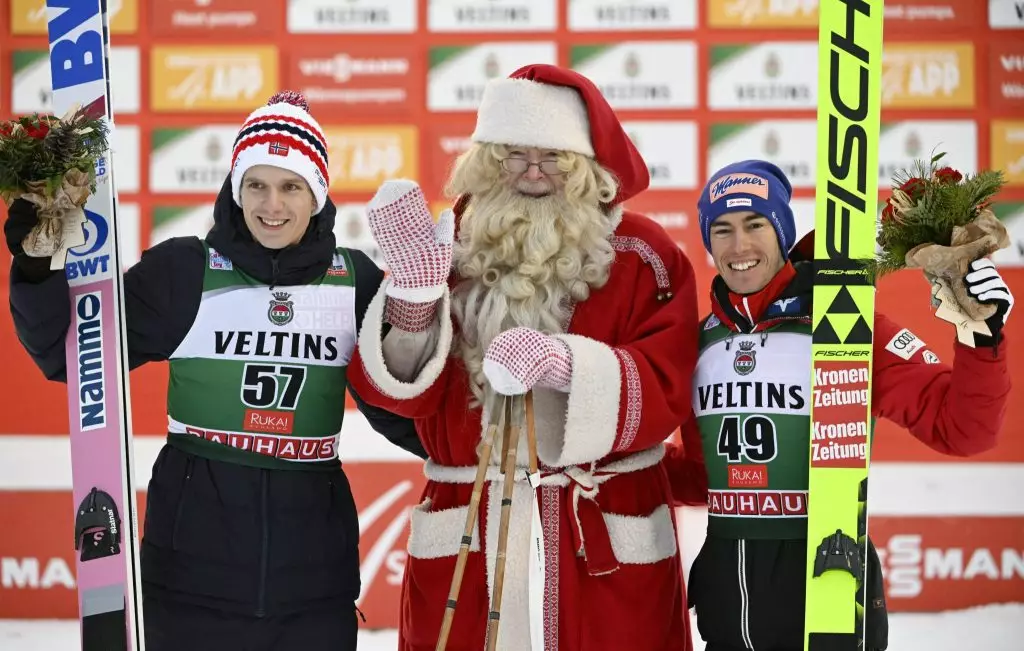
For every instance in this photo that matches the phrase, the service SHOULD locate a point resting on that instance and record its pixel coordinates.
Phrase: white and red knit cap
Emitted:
(282, 134)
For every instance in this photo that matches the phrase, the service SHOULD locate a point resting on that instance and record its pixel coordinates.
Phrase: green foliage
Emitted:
(926, 204)
(42, 148)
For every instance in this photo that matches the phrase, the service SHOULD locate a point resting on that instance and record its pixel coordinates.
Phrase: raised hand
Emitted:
(418, 252)
(985, 285)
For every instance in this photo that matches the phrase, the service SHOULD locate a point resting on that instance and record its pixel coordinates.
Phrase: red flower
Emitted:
(38, 130)
(6, 129)
(948, 175)
(914, 188)
(889, 213)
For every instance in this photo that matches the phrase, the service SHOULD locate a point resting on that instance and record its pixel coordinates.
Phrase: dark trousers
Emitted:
(173, 626)
(750, 593)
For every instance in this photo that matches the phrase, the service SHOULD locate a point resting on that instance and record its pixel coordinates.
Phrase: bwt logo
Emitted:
(92, 405)
(78, 60)
(97, 231)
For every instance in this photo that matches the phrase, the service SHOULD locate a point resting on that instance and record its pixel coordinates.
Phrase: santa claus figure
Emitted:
(538, 281)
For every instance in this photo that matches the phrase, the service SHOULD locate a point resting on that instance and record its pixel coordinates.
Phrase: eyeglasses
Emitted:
(520, 165)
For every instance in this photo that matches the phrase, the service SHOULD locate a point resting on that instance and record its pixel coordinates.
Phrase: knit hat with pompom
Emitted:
(285, 135)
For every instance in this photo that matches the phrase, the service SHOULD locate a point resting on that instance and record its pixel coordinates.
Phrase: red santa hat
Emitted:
(549, 107)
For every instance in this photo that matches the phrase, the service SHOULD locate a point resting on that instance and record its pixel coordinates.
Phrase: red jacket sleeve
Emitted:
(684, 463)
(955, 410)
(425, 404)
(660, 355)
(370, 378)
(631, 392)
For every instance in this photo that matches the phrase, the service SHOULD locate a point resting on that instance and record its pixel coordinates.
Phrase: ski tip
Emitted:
(292, 97)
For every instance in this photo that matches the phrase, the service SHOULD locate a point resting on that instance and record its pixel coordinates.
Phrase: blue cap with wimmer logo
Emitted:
(754, 185)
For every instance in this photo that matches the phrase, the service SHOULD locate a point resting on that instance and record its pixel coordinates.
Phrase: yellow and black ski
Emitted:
(849, 92)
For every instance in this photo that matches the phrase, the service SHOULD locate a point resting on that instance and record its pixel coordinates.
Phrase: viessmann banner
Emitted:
(395, 84)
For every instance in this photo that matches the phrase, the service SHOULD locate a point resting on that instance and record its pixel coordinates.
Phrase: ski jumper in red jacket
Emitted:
(754, 366)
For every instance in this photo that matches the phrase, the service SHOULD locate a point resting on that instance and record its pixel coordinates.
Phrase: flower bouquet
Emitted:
(51, 162)
(938, 220)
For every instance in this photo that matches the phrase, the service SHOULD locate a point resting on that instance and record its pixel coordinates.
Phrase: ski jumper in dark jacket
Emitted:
(239, 544)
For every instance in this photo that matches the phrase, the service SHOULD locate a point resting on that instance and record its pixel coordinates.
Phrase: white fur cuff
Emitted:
(372, 352)
(532, 114)
(592, 411)
(639, 540)
(435, 534)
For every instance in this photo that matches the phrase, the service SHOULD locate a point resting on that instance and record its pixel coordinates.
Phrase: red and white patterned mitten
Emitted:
(418, 252)
(519, 359)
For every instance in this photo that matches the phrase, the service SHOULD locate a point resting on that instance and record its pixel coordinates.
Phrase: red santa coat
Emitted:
(601, 449)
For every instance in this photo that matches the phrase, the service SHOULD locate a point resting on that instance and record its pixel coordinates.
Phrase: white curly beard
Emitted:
(524, 261)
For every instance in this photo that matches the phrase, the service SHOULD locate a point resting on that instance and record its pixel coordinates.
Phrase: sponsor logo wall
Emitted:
(395, 83)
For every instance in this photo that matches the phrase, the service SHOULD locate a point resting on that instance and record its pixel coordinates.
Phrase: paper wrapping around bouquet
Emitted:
(946, 266)
(61, 218)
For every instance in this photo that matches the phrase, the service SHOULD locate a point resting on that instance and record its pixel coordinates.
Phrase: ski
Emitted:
(105, 515)
(846, 198)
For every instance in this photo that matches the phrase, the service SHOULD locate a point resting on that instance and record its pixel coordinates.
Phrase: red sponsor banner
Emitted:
(443, 144)
(676, 213)
(212, 18)
(1006, 75)
(934, 564)
(748, 476)
(37, 569)
(371, 79)
(840, 435)
(930, 563)
(913, 16)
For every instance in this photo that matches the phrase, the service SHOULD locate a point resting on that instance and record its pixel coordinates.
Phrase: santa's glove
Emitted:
(417, 252)
(521, 358)
(21, 219)
(985, 285)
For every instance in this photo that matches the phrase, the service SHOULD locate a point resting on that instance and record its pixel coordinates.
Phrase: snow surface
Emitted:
(992, 628)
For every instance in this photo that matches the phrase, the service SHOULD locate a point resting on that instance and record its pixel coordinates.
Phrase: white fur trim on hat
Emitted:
(533, 114)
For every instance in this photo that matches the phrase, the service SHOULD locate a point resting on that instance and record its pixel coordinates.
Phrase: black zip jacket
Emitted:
(248, 540)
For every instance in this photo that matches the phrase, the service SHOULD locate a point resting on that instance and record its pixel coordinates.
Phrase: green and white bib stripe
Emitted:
(260, 377)
(751, 396)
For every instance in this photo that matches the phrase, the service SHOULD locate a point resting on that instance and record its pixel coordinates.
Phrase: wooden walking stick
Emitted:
(531, 431)
(471, 515)
(508, 476)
